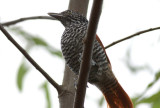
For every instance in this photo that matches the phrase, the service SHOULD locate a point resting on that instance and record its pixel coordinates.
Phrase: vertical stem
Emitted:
(79, 5)
(66, 99)
(87, 53)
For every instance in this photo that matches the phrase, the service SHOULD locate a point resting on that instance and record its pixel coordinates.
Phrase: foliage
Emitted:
(23, 69)
(154, 99)
(47, 94)
(131, 66)
(101, 101)
(33, 41)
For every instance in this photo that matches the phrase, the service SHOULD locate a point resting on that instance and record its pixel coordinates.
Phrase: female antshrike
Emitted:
(101, 74)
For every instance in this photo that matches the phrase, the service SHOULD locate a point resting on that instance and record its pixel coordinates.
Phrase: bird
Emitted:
(101, 74)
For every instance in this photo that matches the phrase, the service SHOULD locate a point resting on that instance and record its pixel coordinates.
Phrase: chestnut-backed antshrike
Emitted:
(100, 74)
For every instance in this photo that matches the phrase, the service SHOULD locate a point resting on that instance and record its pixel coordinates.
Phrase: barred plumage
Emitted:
(101, 73)
(72, 47)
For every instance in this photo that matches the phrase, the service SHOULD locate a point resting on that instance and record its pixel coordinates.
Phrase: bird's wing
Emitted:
(98, 39)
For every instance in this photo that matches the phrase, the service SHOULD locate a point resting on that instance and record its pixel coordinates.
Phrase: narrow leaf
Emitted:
(134, 100)
(156, 104)
(101, 101)
(151, 99)
(36, 41)
(20, 32)
(47, 94)
(39, 41)
(157, 76)
(22, 71)
(131, 66)
(54, 52)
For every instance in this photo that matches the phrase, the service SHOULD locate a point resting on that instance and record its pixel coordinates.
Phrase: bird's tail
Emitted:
(116, 97)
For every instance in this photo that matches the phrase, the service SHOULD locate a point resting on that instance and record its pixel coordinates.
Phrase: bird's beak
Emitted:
(57, 16)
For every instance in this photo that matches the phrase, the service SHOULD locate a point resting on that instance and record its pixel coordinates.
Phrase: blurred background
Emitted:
(135, 62)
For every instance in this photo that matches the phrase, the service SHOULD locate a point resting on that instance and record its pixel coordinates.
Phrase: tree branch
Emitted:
(29, 58)
(66, 100)
(25, 19)
(131, 36)
(51, 18)
(87, 53)
(82, 6)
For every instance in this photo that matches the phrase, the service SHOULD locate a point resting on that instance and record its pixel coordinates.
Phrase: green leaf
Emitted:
(134, 68)
(156, 104)
(157, 76)
(36, 41)
(22, 71)
(47, 94)
(39, 41)
(54, 52)
(152, 99)
(134, 100)
(20, 32)
(101, 101)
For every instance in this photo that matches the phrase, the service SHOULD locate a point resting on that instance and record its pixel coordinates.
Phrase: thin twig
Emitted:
(25, 19)
(87, 53)
(51, 18)
(29, 58)
(131, 36)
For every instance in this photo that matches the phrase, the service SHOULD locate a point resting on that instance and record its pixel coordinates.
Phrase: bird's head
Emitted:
(69, 17)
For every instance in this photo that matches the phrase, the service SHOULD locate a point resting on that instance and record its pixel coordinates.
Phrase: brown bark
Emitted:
(87, 53)
(66, 97)
(79, 5)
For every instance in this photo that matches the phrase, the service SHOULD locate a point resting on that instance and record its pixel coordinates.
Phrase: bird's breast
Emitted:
(72, 46)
